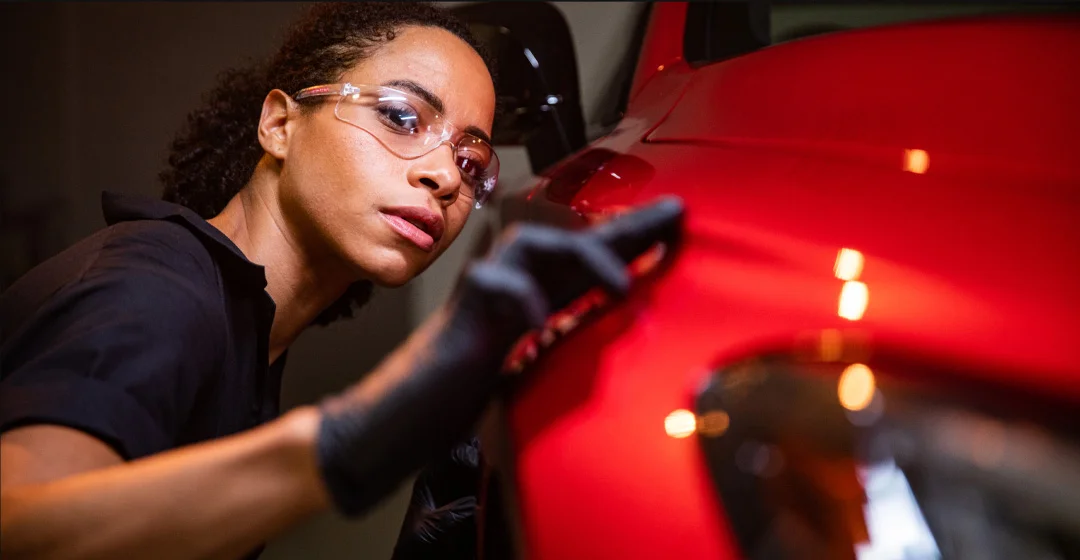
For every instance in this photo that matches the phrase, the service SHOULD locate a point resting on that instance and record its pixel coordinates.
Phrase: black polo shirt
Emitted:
(151, 334)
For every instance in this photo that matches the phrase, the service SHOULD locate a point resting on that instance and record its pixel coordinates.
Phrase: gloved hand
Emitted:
(428, 394)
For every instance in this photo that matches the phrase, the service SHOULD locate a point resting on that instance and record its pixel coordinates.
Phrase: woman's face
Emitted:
(345, 195)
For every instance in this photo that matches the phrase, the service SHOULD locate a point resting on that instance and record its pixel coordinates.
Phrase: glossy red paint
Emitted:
(662, 45)
(979, 105)
(944, 152)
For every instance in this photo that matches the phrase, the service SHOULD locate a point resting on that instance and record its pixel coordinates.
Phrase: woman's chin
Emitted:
(392, 281)
(397, 274)
(390, 267)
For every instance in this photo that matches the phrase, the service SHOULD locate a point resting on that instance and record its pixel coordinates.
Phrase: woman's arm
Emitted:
(223, 498)
(218, 499)
(213, 500)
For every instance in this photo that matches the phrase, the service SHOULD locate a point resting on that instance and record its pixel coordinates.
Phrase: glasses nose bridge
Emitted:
(447, 136)
(447, 139)
(447, 142)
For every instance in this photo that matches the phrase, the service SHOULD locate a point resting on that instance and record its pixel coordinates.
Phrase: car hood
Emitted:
(922, 146)
(971, 97)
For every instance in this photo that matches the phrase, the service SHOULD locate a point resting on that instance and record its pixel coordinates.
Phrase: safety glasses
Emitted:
(410, 127)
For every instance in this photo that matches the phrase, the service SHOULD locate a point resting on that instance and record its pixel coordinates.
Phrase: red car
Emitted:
(867, 344)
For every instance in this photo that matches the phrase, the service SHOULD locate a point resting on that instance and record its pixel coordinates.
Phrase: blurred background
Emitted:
(94, 93)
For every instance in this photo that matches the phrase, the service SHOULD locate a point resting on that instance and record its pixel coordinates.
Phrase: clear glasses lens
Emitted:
(410, 127)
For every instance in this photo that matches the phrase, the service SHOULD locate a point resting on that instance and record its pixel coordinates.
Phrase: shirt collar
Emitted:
(119, 207)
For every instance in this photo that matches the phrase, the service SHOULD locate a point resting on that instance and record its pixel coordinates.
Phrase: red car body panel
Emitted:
(662, 45)
(944, 152)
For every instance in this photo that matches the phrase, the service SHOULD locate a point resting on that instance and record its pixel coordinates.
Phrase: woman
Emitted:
(138, 401)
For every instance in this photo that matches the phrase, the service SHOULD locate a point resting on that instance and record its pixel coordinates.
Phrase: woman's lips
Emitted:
(419, 225)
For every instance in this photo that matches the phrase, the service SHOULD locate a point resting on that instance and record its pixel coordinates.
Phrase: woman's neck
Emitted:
(300, 284)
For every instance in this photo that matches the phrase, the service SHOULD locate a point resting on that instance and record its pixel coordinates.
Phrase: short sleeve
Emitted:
(121, 351)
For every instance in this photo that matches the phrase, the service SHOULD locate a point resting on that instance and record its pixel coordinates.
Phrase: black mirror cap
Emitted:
(536, 78)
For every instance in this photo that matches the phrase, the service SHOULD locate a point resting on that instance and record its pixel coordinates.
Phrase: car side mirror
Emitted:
(539, 101)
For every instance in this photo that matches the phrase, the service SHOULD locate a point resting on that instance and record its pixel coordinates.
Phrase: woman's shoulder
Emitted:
(152, 257)
(154, 244)
(143, 263)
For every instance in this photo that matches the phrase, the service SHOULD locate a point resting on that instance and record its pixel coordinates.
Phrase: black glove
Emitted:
(430, 392)
(440, 522)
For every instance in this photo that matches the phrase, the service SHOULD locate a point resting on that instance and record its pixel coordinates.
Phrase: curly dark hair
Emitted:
(216, 152)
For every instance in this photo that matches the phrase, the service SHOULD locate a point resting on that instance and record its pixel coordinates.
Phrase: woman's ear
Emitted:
(275, 123)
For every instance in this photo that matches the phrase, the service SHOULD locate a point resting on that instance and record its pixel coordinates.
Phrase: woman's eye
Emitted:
(469, 164)
(473, 169)
(400, 118)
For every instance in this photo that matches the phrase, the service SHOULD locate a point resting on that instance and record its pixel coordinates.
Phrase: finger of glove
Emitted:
(566, 264)
(603, 265)
(532, 246)
(509, 290)
(631, 234)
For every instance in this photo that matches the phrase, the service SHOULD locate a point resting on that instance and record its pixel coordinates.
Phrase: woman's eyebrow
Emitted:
(419, 91)
(475, 131)
(435, 102)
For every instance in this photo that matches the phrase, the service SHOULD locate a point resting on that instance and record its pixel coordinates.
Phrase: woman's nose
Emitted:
(438, 172)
